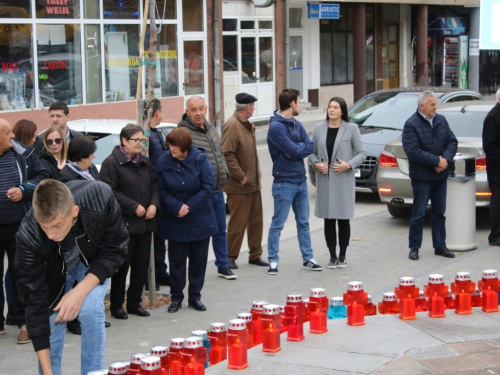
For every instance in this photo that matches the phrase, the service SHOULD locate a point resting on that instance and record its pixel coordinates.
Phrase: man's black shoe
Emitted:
(119, 314)
(226, 273)
(197, 305)
(413, 253)
(444, 252)
(107, 324)
(139, 311)
(259, 262)
(232, 264)
(174, 306)
(74, 327)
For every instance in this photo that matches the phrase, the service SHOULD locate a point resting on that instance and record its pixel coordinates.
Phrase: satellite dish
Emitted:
(263, 3)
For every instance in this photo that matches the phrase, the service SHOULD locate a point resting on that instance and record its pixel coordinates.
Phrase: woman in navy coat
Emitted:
(186, 183)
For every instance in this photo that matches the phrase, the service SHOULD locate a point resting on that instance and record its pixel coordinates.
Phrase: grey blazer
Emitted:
(336, 193)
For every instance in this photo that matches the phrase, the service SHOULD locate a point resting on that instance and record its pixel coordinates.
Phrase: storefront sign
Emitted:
(9, 67)
(57, 7)
(474, 47)
(55, 65)
(323, 10)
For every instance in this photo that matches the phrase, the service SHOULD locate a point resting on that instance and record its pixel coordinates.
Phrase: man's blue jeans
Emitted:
(91, 317)
(422, 192)
(219, 240)
(288, 195)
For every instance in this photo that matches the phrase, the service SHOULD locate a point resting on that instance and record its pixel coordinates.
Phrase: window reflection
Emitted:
(93, 64)
(15, 9)
(122, 61)
(193, 67)
(266, 59)
(16, 62)
(120, 9)
(59, 64)
(166, 80)
(58, 9)
(192, 15)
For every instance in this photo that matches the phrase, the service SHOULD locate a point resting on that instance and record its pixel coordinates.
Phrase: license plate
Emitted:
(357, 173)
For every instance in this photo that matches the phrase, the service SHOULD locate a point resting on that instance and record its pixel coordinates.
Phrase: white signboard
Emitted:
(474, 47)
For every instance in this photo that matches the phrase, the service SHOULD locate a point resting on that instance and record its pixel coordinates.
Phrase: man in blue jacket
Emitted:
(288, 145)
(430, 146)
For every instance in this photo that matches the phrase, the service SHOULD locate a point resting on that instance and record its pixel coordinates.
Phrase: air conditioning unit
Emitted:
(263, 3)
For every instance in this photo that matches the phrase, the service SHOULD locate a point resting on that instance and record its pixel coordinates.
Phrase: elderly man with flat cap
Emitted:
(244, 183)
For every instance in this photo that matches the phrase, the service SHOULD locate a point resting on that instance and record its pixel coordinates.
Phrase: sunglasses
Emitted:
(57, 141)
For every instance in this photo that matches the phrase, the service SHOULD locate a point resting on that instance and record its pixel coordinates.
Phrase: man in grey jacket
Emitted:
(205, 136)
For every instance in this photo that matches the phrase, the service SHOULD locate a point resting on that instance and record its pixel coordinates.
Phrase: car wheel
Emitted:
(399, 212)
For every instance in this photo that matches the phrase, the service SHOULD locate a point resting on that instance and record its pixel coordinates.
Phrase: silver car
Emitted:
(466, 122)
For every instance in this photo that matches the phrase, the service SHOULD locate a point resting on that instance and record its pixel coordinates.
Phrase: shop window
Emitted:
(248, 58)
(229, 24)
(170, 12)
(193, 68)
(167, 77)
(265, 25)
(15, 9)
(120, 9)
(230, 52)
(16, 61)
(91, 9)
(266, 59)
(59, 64)
(192, 16)
(92, 64)
(247, 25)
(295, 18)
(58, 9)
(121, 54)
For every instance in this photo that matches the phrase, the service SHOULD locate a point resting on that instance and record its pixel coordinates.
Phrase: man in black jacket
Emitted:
(20, 173)
(491, 147)
(74, 232)
(430, 146)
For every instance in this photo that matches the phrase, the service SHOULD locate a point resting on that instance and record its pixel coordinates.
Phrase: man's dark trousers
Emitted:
(422, 192)
(494, 236)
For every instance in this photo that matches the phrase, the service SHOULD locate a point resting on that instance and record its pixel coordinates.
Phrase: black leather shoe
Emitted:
(107, 324)
(197, 305)
(444, 252)
(259, 262)
(232, 264)
(74, 327)
(138, 311)
(413, 253)
(174, 306)
(119, 314)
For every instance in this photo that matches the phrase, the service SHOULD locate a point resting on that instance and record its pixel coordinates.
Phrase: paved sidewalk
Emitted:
(378, 256)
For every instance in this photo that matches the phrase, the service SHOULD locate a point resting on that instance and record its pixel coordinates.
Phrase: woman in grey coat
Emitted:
(338, 151)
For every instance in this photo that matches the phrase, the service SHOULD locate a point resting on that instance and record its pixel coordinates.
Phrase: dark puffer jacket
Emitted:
(133, 185)
(491, 144)
(424, 144)
(102, 240)
(208, 139)
(156, 145)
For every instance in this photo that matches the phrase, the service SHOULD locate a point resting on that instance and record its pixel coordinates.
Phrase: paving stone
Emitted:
(464, 362)
(403, 365)
(431, 352)
(472, 347)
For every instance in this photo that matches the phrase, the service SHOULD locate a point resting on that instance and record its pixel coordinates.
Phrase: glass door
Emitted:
(295, 71)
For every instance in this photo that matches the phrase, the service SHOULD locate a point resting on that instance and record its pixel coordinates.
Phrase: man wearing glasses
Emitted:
(59, 116)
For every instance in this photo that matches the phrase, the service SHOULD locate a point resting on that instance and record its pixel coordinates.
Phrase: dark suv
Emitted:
(381, 117)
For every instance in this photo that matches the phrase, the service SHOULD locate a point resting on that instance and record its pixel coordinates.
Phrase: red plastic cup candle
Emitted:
(98, 372)
(271, 325)
(218, 346)
(284, 323)
(117, 368)
(370, 307)
(161, 351)
(463, 288)
(407, 293)
(237, 344)
(194, 356)
(135, 363)
(256, 311)
(436, 291)
(421, 302)
(173, 361)
(151, 365)
(305, 317)
(477, 300)
(389, 304)
(318, 307)
(294, 314)
(355, 299)
(247, 317)
(489, 287)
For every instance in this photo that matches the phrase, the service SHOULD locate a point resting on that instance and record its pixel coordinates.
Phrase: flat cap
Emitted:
(244, 98)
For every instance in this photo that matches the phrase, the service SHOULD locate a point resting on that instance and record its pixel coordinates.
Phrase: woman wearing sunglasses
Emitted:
(53, 154)
(132, 179)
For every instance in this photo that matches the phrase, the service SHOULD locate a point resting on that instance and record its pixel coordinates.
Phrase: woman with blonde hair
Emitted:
(55, 149)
